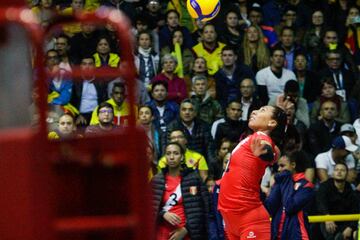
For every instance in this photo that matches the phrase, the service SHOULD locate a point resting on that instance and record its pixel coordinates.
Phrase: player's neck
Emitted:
(174, 172)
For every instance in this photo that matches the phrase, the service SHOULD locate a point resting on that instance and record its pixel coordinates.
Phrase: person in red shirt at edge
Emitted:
(244, 215)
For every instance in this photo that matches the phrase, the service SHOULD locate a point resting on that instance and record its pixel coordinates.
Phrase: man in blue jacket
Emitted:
(288, 197)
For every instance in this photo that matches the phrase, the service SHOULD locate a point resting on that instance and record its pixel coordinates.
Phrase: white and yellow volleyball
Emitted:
(204, 10)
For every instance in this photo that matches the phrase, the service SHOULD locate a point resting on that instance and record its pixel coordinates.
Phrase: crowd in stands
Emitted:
(197, 84)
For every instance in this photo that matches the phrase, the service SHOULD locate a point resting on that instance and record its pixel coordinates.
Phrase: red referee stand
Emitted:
(77, 189)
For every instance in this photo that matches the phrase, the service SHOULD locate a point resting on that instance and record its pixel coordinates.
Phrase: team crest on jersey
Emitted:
(191, 161)
(251, 235)
(296, 186)
(193, 190)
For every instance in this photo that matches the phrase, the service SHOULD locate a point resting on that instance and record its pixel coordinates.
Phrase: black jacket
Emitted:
(200, 140)
(196, 203)
(101, 89)
(339, 203)
(320, 137)
(231, 130)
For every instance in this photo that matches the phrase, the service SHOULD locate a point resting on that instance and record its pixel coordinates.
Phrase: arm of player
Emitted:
(262, 149)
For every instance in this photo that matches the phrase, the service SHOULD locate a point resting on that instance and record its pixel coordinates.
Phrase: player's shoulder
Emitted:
(266, 139)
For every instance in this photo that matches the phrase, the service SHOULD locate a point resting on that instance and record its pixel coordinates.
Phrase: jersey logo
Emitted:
(296, 186)
(251, 235)
(193, 190)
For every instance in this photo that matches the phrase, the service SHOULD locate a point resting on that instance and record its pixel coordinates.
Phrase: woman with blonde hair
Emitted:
(254, 50)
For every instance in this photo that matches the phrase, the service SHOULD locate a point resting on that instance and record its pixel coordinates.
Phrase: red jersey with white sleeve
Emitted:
(240, 184)
(172, 199)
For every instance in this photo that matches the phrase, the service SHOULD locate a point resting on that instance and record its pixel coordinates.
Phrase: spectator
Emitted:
(103, 56)
(146, 60)
(330, 41)
(308, 80)
(287, 42)
(121, 108)
(342, 201)
(142, 25)
(76, 6)
(105, 114)
(180, 199)
(196, 131)
(352, 24)
(193, 159)
(153, 14)
(63, 47)
(323, 130)
(255, 53)
(328, 93)
(288, 199)
(60, 84)
(172, 23)
(288, 19)
(88, 93)
(145, 120)
(216, 168)
(184, 17)
(271, 80)
(229, 76)
(164, 110)
(233, 126)
(342, 77)
(44, 12)
(66, 128)
(291, 96)
(210, 48)
(126, 7)
(141, 93)
(256, 18)
(339, 153)
(231, 33)
(176, 85)
(273, 10)
(199, 68)
(296, 130)
(84, 43)
(249, 100)
(313, 34)
(356, 125)
(183, 54)
(207, 108)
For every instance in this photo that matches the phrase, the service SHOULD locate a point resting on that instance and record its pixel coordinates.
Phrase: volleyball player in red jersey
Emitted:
(244, 215)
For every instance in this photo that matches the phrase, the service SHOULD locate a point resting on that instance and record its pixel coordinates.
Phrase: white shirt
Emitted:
(275, 86)
(325, 161)
(245, 109)
(89, 98)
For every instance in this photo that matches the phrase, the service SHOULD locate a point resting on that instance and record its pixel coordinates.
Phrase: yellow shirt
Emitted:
(121, 113)
(213, 59)
(193, 160)
(70, 29)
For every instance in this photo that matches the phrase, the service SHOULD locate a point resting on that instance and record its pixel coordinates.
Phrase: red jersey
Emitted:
(240, 185)
(172, 199)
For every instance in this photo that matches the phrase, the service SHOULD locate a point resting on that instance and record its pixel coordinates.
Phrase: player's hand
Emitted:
(172, 218)
(178, 234)
(330, 227)
(258, 146)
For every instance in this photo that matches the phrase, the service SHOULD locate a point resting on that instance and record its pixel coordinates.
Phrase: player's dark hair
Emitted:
(278, 133)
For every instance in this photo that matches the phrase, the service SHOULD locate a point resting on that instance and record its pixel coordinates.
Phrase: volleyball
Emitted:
(203, 10)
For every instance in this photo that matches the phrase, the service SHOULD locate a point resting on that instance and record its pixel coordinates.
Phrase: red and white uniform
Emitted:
(172, 202)
(239, 199)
